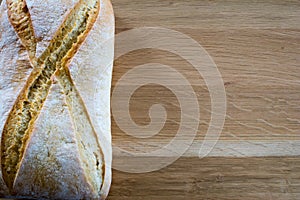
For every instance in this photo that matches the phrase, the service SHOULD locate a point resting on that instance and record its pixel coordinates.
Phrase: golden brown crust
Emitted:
(20, 19)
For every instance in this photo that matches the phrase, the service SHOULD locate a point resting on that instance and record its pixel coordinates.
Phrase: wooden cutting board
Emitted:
(256, 48)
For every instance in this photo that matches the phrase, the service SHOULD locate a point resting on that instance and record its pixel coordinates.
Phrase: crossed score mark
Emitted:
(54, 61)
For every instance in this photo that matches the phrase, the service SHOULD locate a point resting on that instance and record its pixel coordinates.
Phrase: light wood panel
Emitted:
(256, 46)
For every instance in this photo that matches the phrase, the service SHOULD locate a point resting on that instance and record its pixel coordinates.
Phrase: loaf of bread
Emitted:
(55, 76)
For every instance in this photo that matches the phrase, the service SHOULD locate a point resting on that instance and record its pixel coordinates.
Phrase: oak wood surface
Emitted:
(213, 178)
(255, 45)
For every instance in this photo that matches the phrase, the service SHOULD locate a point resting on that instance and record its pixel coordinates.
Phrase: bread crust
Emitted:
(52, 166)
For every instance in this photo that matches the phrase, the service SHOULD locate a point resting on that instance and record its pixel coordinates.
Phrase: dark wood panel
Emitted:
(213, 178)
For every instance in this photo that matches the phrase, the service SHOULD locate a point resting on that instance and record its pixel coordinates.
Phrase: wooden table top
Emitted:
(256, 47)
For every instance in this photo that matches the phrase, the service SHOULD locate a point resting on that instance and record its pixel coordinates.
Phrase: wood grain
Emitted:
(255, 45)
(213, 178)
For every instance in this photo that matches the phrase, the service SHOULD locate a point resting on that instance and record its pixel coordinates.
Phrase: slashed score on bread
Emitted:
(55, 76)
